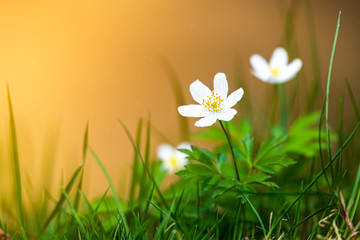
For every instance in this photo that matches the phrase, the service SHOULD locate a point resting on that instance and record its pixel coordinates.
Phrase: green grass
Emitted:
(299, 180)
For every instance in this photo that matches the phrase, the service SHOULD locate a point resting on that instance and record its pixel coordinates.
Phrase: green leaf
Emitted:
(270, 184)
(268, 147)
(303, 136)
(281, 160)
(201, 155)
(256, 178)
(248, 144)
(221, 160)
(200, 169)
(238, 129)
(185, 174)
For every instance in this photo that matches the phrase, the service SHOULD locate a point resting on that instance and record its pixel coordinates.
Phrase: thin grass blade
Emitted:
(116, 199)
(62, 198)
(252, 207)
(75, 215)
(16, 163)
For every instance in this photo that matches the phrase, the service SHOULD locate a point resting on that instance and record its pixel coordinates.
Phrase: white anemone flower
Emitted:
(212, 105)
(277, 70)
(172, 159)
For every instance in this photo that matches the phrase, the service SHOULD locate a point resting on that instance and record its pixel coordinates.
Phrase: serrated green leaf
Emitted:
(218, 193)
(256, 177)
(272, 160)
(268, 147)
(185, 174)
(270, 184)
(221, 160)
(267, 169)
(246, 155)
(200, 169)
(303, 136)
(201, 155)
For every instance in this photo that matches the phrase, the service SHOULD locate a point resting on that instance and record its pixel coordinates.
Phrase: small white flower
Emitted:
(277, 70)
(214, 104)
(172, 159)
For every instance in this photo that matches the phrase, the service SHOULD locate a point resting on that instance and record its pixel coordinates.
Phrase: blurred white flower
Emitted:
(212, 105)
(277, 70)
(172, 159)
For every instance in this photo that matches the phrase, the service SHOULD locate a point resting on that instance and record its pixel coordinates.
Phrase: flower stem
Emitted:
(231, 148)
(284, 114)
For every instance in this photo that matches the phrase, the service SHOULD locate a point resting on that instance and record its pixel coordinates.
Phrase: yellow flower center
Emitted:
(174, 162)
(213, 102)
(275, 71)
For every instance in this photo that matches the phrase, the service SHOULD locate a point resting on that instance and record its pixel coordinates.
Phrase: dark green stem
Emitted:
(231, 148)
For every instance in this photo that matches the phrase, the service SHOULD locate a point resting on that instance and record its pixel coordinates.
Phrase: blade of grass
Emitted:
(340, 138)
(93, 212)
(297, 215)
(75, 215)
(62, 199)
(147, 205)
(143, 162)
(116, 199)
(237, 231)
(16, 164)
(354, 199)
(213, 227)
(135, 167)
(164, 222)
(320, 148)
(101, 200)
(328, 94)
(352, 99)
(252, 207)
(138, 226)
(294, 228)
(79, 187)
(143, 184)
(23, 232)
(317, 177)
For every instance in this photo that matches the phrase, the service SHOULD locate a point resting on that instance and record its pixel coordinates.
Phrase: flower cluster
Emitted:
(213, 105)
(217, 105)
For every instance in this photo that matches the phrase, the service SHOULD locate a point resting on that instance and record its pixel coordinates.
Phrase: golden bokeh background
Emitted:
(70, 62)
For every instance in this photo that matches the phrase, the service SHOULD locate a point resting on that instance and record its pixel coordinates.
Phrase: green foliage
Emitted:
(284, 192)
(303, 137)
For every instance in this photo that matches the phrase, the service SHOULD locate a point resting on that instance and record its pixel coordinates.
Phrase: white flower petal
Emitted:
(193, 110)
(226, 114)
(184, 145)
(183, 162)
(279, 58)
(273, 80)
(168, 167)
(221, 85)
(181, 157)
(290, 71)
(164, 152)
(206, 121)
(233, 99)
(199, 91)
(260, 67)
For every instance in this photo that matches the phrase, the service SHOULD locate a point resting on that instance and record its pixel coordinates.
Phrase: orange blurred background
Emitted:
(69, 62)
